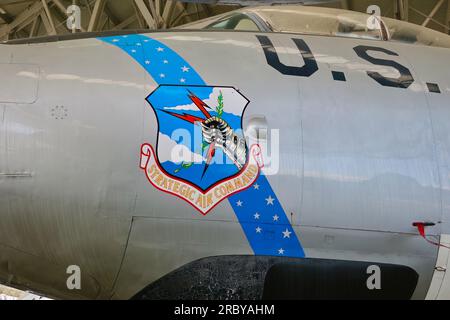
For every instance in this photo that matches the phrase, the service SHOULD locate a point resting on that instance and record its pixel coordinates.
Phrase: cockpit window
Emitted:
(239, 22)
(410, 33)
(323, 21)
(320, 21)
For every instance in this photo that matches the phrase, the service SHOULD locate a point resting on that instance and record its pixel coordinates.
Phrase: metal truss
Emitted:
(49, 17)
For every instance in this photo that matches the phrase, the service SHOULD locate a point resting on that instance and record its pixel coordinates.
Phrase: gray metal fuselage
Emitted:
(359, 161)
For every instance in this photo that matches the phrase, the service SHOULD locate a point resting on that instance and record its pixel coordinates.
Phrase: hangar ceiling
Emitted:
(33, 18)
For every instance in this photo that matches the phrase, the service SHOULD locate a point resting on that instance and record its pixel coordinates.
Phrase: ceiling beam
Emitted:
(35, 27)
(425, 16)
(181, 7)
(180, 13)
(142, 23)
(60, 6)
(46, 23)
(433, 12)
(167, 12)
(112, 17)
(146, 14)
(157, 6)
(49, 16)
(125, 23)
(158, 14)
(155, 13)
(96, 15)
(402, 7)
(25, 17)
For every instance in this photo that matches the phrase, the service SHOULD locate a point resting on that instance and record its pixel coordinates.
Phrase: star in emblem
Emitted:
(239, 203)
(257, 215)
(256, 186)
(281, 252)
(258, 230)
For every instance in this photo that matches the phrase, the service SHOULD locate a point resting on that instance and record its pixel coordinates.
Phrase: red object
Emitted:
(421, 228)
(186, 117)
(200, 104)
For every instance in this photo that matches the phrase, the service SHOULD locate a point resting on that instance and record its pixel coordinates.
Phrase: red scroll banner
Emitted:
(203, 201)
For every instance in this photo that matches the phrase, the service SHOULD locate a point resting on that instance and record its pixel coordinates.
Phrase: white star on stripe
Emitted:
(162, 75)
(185, 69)
(281, 252)
(286, 234)
(160, 49)
(182, 80)
(257, 215)
(239, 203)
(270, 200)
(256, 186)
(147, 61)
(276, 218)
(258, 230)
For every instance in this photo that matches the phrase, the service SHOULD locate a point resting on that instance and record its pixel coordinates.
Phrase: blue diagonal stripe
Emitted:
(261, 215)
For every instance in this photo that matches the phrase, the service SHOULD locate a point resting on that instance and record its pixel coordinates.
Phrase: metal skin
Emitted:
(359, 162)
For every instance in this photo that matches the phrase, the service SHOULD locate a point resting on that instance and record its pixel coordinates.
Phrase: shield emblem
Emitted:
(184, 149)
(201, 155)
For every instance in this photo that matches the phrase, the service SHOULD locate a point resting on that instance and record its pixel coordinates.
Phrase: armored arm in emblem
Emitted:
(219, 133)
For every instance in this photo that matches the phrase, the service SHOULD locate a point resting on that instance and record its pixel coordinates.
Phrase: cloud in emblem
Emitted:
(169, 150)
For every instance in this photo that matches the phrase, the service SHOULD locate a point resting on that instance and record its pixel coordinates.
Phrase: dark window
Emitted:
(236, 22)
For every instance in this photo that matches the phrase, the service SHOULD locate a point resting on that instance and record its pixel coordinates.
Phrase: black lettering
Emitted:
(273, 60)
(405, 79)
